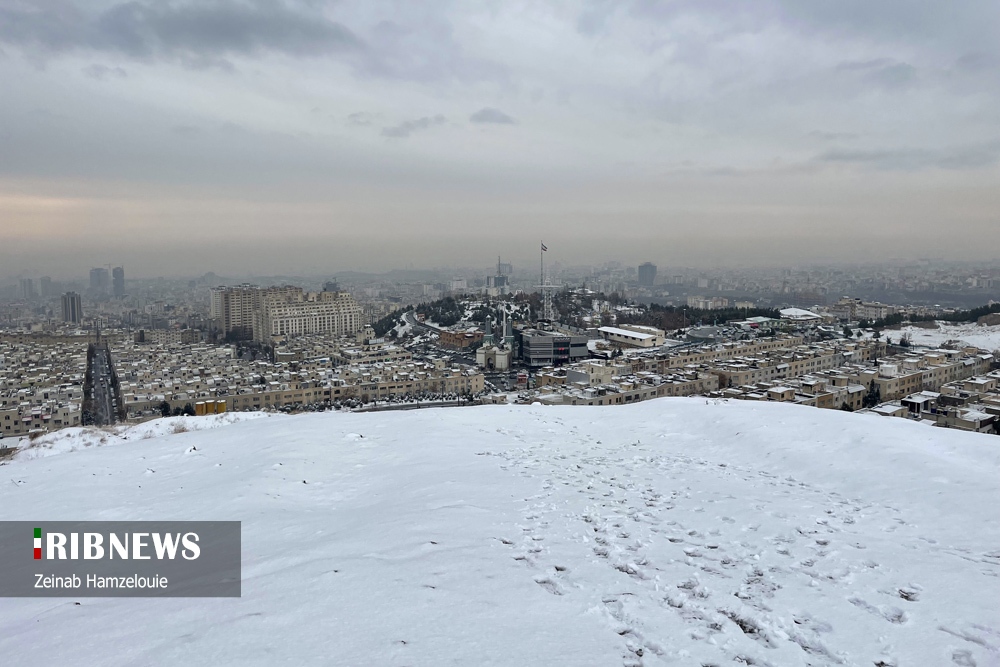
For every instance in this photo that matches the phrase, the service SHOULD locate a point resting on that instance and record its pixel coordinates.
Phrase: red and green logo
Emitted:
(38, 544)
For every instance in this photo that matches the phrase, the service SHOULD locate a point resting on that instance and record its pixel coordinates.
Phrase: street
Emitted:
(104, 401)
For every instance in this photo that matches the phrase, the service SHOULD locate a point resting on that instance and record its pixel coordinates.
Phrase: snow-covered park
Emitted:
(672, 532)
(984, 337)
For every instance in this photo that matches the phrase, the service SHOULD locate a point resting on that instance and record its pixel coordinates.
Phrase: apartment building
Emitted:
(41, 386)
(296, 313)
(794, 362)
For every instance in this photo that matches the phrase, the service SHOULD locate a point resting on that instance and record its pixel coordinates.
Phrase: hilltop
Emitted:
(675, 531)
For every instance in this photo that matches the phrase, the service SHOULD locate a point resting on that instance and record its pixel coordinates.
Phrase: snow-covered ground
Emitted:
(74, 438)
(987, 338)
(671, 532)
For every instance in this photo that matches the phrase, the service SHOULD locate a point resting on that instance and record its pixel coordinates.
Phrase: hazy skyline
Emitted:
(310, 137)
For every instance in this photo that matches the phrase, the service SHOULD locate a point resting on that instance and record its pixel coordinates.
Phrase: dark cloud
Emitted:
(406, 128)
(491, 115)
(103, 72)
(197, 34)
(908, 159)
(417, 44)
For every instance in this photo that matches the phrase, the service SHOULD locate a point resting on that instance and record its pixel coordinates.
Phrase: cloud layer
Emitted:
(578, 116)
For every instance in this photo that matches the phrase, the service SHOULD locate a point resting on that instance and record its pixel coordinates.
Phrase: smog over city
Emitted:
(310, 137)
(635, 333)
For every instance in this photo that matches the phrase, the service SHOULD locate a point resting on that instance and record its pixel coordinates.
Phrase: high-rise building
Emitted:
(647, 274)
(118, 281)
(99, 281)
(27, 288)
(286, 313)
(72, 308)
(249, 311)
(45, 286)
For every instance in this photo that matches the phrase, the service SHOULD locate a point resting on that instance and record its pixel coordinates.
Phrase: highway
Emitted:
(104, 401)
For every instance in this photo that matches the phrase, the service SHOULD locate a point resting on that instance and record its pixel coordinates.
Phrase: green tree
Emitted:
(873, 397)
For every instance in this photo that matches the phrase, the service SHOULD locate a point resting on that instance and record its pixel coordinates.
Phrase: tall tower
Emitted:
(118, 281)
(647, 274)
(99, 280)
(71, 308)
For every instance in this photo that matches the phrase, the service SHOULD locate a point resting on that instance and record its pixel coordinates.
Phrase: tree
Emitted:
(164, 409)
(904, 340)
(847, 332)
(873, 397)
(845, 407)
(189, 410)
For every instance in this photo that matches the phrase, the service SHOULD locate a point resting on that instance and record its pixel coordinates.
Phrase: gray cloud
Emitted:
(875, 63)
(362, 118)
(909, 159)
(410, 42)
(977, 61)
(884, 72)
(103, 72)
(827, 135)
(193, 33)
(406, 128)
(185, 130)
(702, 112)
(491, 115)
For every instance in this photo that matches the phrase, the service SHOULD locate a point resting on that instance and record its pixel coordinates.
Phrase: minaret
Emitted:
(488, 336)
(508, 333)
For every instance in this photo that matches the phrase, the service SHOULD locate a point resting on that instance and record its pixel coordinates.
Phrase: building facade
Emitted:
(72, 309)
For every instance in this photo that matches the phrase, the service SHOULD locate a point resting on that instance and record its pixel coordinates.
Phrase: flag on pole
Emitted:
(544, 248)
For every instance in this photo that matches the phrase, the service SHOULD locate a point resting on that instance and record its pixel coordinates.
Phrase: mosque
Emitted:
(494, 356)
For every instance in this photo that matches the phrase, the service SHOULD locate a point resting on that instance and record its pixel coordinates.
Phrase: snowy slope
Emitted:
(984, 337)
(672, 532)
(80, 437)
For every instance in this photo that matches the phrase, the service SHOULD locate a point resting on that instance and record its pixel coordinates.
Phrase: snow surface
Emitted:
(671, 532)
(977, 335)
(79, 437)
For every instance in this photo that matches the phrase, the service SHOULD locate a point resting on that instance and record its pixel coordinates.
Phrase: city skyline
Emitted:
(365, 136)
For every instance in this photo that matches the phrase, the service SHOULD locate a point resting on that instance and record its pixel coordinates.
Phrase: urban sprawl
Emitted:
(112, 351)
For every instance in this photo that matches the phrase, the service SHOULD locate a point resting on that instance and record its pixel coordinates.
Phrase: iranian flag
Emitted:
(38, 544)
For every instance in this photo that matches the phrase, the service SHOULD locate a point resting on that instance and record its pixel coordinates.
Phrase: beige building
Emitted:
(237, 309)
(634, 335)
(296, 313)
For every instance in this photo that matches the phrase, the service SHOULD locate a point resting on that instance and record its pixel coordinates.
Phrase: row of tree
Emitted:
(958, 316)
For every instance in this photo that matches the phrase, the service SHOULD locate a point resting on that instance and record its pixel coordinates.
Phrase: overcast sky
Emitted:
(309, 136)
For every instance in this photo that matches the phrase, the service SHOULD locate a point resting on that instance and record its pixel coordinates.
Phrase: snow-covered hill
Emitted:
(676, 531)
